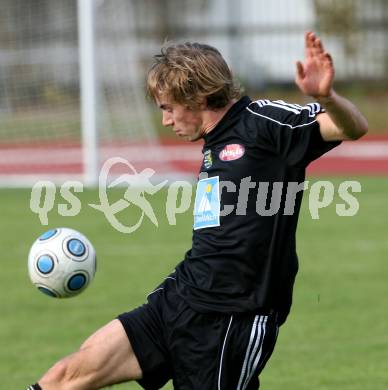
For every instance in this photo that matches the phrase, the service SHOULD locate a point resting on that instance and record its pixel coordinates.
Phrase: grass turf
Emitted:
(335, 337)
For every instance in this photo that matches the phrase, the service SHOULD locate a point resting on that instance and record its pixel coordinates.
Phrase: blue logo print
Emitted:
(207, 203)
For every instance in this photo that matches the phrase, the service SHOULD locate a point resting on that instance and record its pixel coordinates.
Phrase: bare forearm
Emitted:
(348, 120)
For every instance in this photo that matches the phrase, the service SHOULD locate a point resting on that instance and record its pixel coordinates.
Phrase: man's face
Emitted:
(185, 122)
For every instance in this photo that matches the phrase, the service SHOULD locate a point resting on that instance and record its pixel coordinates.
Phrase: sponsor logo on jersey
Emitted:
(207, 203)
(232, 152)
(207, 159)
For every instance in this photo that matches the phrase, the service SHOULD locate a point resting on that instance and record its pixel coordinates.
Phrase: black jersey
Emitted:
(243, 256)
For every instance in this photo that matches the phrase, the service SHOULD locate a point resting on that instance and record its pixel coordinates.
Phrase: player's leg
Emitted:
(105, 358)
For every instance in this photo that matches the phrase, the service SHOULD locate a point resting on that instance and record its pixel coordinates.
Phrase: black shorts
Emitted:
(197, 351)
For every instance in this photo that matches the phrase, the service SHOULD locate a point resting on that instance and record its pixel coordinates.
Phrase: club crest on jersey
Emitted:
(207, 159)
(232, 152)
(207, 203)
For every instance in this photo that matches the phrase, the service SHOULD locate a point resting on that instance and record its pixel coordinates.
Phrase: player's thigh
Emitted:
(105, 358)
(109, 355)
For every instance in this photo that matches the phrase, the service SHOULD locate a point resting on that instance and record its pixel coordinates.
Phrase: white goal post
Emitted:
(72, 92)
(86, 33)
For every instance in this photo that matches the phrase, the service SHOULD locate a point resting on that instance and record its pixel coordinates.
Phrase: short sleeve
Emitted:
(291, 130)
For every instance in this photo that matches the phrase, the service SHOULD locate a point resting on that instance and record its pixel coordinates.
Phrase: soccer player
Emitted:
(213, 323)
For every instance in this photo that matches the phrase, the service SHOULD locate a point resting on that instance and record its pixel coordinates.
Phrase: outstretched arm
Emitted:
(314, 77)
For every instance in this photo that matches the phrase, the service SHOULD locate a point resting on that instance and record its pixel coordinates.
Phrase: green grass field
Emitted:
(335, 338)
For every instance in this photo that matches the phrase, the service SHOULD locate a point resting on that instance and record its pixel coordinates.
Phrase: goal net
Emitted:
(40, 88)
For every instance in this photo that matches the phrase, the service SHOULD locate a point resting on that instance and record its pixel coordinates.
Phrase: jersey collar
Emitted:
(228, 119)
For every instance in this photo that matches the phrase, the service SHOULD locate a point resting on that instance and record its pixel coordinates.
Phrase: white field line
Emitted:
(28, 180)
(369, 150)
(58, 156)
(364, 150)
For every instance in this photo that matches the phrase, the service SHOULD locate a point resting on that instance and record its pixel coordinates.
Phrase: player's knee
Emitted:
(55, 377)
(64, 374)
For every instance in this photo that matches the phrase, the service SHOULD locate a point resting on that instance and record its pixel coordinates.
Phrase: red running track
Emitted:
(368, 156)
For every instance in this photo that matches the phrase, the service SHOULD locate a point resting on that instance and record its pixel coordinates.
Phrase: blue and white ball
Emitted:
(61, 262)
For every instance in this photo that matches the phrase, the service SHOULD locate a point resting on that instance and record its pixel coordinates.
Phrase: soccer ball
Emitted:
(61, 262)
